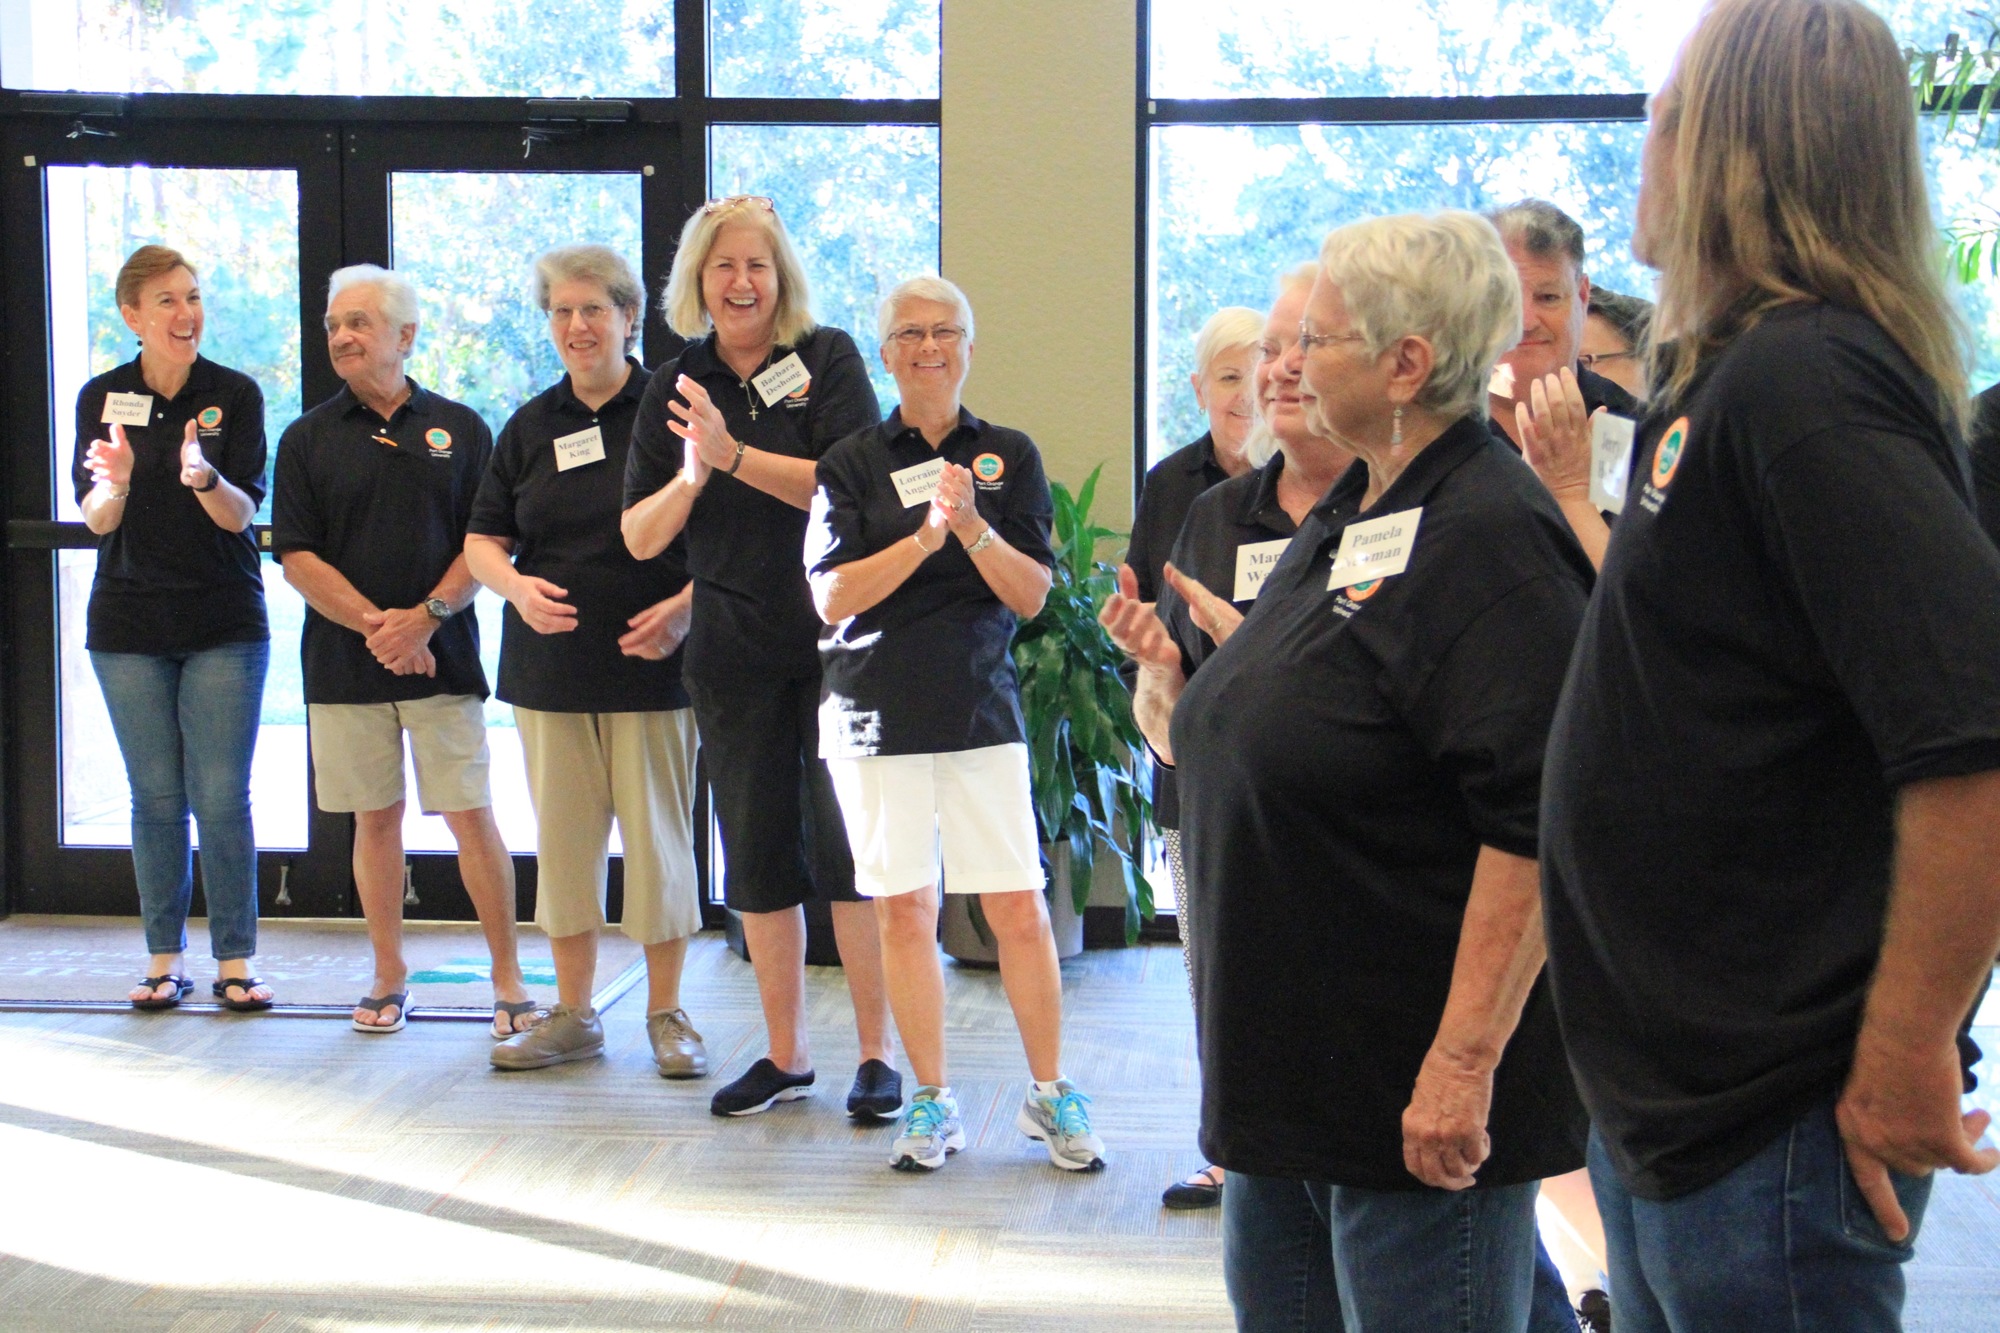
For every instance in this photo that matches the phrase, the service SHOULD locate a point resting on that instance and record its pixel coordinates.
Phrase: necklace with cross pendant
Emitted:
(745, 386)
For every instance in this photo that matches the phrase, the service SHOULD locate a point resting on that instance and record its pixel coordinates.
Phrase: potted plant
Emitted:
(1085, 753)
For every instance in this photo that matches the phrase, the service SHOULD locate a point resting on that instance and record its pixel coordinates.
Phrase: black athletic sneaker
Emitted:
(877, 1093)
(758, 1087)
(1594, 1312)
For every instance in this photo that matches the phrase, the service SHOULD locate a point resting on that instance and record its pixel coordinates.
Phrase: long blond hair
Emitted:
(681, 302)
(1796, 177)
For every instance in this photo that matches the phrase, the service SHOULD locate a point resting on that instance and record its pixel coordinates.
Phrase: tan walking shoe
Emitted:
(566, 1034)
(677, 1047)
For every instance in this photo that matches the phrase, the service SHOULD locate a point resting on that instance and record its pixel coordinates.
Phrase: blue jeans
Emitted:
(187, 726)
(1300, 1255)
(1783, 1242)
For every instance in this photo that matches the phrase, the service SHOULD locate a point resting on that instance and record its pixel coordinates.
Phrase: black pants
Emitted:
(782, 836)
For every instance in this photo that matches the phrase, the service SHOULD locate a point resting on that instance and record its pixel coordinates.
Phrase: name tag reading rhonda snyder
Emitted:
(918, 483)
(1255, 560)
(783, 380)
(1375, 549)
(586, 446)
(127, 409)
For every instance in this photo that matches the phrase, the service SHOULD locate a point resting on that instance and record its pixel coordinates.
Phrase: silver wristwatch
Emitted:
(437, 608)
(985, 540)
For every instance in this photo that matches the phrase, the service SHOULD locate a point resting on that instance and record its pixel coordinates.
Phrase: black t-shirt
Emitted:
(753, 614)
(168, 579)
(1170, 488)
(1985, 442)
(385, 504)
(564, 526)
(1343, 757)
(1797, 616)
(928, 669)
(1231, 540)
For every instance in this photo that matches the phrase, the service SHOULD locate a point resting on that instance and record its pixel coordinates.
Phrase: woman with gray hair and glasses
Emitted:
(590, 659)
(1360, 765)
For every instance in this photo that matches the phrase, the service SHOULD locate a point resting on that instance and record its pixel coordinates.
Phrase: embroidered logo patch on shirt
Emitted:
(439, 440)
(1667, 459)
(210, 418)
(988, 467)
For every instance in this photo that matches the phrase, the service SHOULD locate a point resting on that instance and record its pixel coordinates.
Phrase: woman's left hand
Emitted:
(1554, 427)
(1211, 615)
(1444, 1126)
(657, 631)
(701, 425)
(955, 496)
(195, 470)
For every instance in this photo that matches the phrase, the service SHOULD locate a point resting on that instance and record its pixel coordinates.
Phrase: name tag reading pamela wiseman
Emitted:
(1254, 561)
(1375, 549)
(918, 483)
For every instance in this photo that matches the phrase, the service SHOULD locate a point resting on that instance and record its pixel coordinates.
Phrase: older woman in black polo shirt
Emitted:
(929, 537)
(1360, 766)
(724, 450)
(590, 659)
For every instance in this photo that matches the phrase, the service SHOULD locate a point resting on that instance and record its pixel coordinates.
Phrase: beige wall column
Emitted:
(1038, 206)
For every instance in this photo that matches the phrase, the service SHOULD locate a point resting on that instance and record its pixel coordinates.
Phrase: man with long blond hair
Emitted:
(1771, 827)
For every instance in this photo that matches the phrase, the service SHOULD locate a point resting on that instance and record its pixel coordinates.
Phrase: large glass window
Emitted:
(458, 48)
(860, 201)
(823, 48)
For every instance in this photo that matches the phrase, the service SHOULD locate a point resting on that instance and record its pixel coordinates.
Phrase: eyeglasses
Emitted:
(944, 335)
(733, 200)
(592, 313)
(1589, 360)
(1309, 340)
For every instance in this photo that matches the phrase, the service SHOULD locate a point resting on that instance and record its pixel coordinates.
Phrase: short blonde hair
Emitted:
(681, 303)
(1444, 277)
(592, 263)
(1230, 329)
(928, 287)
(1796, 177)
(145, 264)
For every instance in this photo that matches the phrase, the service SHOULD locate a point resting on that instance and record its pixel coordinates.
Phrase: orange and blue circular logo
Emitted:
(210, 418)
(988, 467)
(1361, 592)
(1667, 458)
(438, 438)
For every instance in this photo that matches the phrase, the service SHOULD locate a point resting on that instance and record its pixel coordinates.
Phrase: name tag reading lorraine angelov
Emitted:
(1610, 461)
(918, 483)
(1254, 560)
(586, 446)
(1375, 549)
(128, 409)
(783, 380)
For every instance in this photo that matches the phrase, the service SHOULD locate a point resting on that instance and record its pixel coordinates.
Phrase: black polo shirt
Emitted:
(1237, 521)
(168, 579)
(564, 526)
(1170, 488)
(1343, 758)
(1797, 616)
(753, 614)
(1984, 438)
(385, 504)
(928, 669)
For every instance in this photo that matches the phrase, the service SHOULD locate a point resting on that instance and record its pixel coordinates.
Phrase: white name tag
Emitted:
(1610, 461)
(1253, 561)
(919, 483)
(586, 446)
(128, 409)
(782, 380)
(1375, 549)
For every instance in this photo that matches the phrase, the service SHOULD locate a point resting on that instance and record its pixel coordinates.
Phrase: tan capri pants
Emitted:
(584, 769)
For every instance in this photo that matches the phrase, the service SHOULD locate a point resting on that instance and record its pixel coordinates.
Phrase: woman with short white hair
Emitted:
(1360, 765)
(929, 542)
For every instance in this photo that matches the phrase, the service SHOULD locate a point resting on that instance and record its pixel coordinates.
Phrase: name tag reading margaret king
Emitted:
(783, 380)
(1610, 461)
(1255, 560)
(127, 409)
(586, 446)
(1375, 549)
(917, 484)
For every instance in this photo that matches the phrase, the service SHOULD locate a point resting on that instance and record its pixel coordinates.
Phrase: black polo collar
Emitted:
(1439, 458)
(894, 431)
(201, 378)
(630, 391)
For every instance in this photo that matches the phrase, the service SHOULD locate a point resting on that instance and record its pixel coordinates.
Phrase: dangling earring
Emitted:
(1396, 428)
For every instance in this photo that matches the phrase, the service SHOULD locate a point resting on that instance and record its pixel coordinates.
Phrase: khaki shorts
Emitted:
(972, 805)
(357, 754)
(584, 770)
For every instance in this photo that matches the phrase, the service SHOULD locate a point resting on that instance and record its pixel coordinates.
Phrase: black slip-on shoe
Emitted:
(877, 1093)
(758, 1088)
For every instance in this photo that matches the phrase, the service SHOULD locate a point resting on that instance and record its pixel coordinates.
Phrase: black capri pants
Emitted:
(783, 840)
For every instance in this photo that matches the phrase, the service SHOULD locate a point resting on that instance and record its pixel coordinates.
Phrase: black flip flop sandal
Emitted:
(249, 1004)
(182, 989)
(401, 999)
(514, 1009)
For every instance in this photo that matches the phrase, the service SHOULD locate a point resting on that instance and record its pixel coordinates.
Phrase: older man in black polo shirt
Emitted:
(372, 492)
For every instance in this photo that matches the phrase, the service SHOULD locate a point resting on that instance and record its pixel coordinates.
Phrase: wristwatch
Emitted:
(214, 480)
(437, 608)
(985, 540)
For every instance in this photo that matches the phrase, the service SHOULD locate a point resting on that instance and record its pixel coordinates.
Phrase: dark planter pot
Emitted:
(962, 939)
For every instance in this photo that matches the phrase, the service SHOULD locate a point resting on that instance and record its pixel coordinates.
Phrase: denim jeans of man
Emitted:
(1302, 1255)
(1783, 1242)
(187, 726)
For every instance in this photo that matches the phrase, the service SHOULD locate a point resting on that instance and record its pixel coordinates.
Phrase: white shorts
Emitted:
(973, 805)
